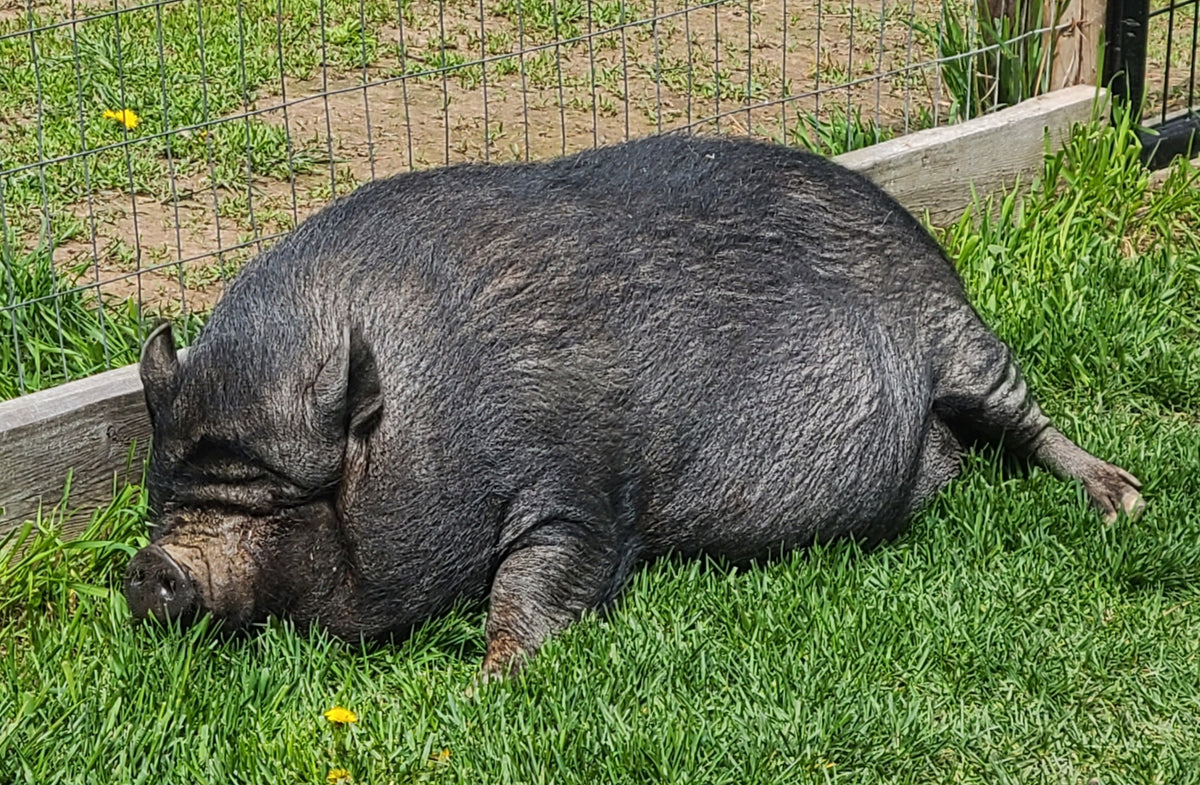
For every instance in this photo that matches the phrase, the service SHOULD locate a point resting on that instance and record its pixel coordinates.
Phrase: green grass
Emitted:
(545, 21)
(151, 60)
(1007, 637)
(54, 329)
(1010, 71)
(57, 332)
(840, 133)
(1116, 267)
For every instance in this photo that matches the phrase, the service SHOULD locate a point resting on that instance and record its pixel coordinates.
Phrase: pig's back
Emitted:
(744, 329)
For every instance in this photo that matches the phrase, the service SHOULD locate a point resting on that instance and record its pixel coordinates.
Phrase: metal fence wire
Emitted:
(147, 149)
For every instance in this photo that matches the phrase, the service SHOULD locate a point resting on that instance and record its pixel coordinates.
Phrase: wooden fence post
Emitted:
(1076, 44)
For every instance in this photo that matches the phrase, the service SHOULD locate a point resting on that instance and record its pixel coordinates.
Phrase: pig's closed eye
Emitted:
(239, 474)
(277, 486)
(258, 479)
(229, 464)
(232, 472)
(223, 461)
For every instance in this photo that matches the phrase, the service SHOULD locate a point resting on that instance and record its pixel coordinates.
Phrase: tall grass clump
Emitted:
(987, 61)
(51, 330)
(42, 570)
(1115, 263)
(839, 132)
(55, 328)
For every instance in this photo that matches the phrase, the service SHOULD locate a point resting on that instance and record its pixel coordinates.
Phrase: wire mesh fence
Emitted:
(147, 149)
(1174, 104)
(1171, 59)
(1151, 63)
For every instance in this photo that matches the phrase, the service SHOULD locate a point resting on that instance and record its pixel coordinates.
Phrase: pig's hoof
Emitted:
(505, 659)
(1114, 491)
(488, 676)
(502, 666)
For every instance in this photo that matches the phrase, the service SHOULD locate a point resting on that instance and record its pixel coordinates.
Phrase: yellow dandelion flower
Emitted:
(440, 757)
(338, 777)
(126, 117)
(339, 716)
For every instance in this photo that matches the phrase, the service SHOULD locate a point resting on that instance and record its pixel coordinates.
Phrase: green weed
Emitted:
(838, 133)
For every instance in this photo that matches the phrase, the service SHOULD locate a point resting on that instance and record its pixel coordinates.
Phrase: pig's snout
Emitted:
(157, 586)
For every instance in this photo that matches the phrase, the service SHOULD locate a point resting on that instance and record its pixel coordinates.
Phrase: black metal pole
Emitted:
(1125, 51)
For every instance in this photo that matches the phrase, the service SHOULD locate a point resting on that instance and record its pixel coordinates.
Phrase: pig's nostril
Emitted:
(157, 587)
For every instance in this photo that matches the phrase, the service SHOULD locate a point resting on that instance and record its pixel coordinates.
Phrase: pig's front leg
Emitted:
(551, 575)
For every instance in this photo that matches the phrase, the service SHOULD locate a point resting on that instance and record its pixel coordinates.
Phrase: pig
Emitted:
(514, 382)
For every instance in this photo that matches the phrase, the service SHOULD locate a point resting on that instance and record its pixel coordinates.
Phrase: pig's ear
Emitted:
(347, 386)
(158, 366)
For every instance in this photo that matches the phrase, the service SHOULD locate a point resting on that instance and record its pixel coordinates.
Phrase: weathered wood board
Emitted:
(87, 429)
(90, 428)
(935, 171)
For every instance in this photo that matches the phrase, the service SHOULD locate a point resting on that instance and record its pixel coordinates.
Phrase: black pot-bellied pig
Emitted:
(516, 381)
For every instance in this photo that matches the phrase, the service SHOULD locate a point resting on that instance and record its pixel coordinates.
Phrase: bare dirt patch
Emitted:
(18, 9)
(163, 256)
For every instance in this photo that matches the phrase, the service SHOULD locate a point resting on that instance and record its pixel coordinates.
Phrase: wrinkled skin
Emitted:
(514, 382)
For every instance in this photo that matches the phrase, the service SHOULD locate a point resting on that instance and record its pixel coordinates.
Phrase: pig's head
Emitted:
(251, 445)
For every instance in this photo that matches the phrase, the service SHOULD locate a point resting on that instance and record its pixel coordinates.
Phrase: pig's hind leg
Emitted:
(559, 566)
(982, 393)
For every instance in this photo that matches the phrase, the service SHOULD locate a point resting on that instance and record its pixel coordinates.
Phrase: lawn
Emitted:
(1007, 637)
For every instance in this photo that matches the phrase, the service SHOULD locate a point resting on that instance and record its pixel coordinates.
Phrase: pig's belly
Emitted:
(791, 450)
